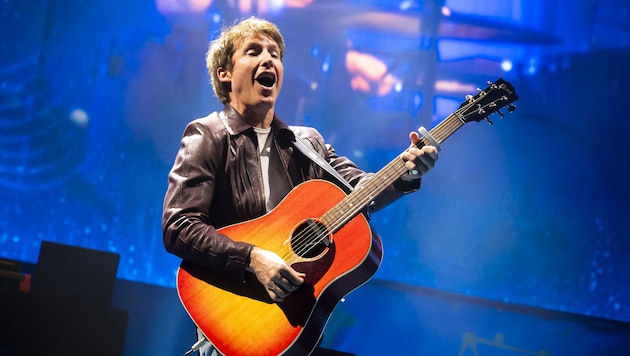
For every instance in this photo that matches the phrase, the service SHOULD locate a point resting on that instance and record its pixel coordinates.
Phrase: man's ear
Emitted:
(224, 75)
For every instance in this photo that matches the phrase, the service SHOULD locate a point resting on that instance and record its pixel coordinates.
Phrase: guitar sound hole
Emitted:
(310, 239)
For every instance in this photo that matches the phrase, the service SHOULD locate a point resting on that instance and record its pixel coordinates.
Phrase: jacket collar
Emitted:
(235, 123)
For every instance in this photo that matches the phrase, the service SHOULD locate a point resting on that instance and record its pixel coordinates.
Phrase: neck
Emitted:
(257, 117)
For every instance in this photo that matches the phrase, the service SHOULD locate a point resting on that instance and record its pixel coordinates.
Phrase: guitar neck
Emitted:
(475, 108)
(364, 194)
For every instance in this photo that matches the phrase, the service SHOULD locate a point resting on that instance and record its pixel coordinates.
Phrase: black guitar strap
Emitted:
(310, 153)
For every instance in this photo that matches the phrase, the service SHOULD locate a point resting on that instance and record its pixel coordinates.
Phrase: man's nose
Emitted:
(267, 59)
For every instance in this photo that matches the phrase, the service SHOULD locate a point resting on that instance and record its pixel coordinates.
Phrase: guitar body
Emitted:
(239, 318)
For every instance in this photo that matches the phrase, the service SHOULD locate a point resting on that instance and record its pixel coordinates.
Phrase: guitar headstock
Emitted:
(488, 101)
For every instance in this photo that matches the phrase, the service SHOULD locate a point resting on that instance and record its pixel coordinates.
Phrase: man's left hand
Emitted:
(418, 160)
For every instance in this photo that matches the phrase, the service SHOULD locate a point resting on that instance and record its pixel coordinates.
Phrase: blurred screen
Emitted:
(532, 210)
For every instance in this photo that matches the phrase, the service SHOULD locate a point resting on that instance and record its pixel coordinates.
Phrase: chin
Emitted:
(268, 101)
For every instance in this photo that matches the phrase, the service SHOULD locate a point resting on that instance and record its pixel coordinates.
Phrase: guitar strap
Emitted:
(310, 153)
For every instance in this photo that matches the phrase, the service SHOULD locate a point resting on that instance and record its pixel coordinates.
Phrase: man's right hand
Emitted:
(278, 278)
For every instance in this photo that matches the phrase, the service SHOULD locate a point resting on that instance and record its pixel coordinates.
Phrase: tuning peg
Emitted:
(511, 108)
(480, 109)
(488, 120)
(469, 97)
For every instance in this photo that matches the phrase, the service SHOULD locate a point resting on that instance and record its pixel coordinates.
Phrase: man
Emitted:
(237, 164)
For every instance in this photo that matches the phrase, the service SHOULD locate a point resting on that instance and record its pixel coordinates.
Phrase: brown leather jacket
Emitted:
(216, 181)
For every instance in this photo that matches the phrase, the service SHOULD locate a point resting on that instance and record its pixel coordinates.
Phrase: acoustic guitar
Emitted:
(321, 231)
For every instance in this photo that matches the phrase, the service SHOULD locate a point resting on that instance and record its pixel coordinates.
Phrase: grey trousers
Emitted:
(207, 349)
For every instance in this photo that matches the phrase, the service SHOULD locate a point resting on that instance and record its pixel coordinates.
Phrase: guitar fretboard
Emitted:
(364, 194)
(475, 108)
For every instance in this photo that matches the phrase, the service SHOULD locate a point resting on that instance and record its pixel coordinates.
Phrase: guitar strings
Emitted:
(305, 243)
(301, 242)
(307, 240)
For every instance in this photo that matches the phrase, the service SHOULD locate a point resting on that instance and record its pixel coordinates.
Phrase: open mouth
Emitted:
(266, 79)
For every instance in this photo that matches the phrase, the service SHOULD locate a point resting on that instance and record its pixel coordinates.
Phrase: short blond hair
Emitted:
(221, 50)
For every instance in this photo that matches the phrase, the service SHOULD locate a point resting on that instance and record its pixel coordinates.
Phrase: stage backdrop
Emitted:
(532, 210)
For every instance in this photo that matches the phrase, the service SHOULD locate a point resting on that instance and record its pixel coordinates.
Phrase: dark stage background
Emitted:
(531, 211)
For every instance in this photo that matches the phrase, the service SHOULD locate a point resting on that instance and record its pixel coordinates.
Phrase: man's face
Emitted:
(256, 75)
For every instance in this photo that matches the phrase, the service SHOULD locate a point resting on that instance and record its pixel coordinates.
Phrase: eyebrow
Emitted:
(256, 40)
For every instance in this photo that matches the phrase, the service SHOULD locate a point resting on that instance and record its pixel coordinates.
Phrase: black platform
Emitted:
(68, 309)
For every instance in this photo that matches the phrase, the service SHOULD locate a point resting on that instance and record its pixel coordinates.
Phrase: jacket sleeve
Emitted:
(353, 174)
(186, 228)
